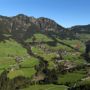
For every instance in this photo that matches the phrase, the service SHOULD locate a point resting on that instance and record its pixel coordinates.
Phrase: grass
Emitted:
(27, 68)
(39, 37)
(29, 63)
(9, 50)
(5, 62)
(11, 47)
(74, 43)
(46, 87)
(84, 37)
(43, 54)
(71, 77)
(26, 72)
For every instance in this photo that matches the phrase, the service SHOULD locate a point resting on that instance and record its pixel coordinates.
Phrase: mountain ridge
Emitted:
(21, 26)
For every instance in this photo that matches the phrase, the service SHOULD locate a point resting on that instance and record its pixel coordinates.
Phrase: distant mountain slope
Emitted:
(81, 28)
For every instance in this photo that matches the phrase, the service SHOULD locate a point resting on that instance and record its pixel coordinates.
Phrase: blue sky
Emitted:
(66, 12)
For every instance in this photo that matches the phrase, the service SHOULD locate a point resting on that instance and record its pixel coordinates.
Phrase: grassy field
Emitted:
(46, 87)
(27, 68)
(10, 49)
(39, 37)
(71, 78)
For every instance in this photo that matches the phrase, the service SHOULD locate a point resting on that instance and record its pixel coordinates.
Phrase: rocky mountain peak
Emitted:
(20, 24)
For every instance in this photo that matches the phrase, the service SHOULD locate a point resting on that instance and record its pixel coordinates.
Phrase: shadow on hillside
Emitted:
(86, 57)
(53, 36)
(50, 34)
(63, 43)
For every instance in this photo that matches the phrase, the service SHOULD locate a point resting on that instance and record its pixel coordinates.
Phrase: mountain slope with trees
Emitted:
(36, 51)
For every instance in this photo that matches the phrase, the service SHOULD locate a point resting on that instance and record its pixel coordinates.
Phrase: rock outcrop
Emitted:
(21, 25)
